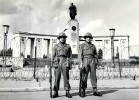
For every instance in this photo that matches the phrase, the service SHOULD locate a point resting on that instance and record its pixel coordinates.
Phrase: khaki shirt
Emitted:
(62, 50)
(86, 49)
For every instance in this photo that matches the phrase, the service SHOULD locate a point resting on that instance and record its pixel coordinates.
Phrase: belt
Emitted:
(88, 56)
(64, 56)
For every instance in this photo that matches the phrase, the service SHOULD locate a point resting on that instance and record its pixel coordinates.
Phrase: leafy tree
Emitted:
(100, 54)
(9, 52)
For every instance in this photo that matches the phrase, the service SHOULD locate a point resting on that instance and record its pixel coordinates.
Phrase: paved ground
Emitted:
(108, 94)
(21, 86)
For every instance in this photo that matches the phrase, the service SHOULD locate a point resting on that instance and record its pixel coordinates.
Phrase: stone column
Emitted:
(23, 41)
(45, 48)
(39, 48)
(51, 44)
(32, 50)
(16, 46)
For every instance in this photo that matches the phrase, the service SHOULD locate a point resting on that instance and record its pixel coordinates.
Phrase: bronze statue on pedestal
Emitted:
(73, 11)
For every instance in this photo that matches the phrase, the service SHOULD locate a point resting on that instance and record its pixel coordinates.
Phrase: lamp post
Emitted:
(128, 48)
(112, 34)
(6, 29)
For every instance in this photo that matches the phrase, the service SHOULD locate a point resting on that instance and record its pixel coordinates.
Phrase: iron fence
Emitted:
(38, 68)
(105, 70)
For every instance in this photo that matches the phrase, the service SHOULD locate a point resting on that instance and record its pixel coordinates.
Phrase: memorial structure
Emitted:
(72, 30)
(26, 42)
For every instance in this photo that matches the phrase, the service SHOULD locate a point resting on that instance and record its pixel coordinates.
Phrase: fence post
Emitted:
(35, 63)
(120, 68)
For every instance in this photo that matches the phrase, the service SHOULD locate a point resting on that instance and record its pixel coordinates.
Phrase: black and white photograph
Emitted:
(69, 49)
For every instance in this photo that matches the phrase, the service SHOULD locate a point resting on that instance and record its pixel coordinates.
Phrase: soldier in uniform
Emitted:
(88, 63)
(61, 61)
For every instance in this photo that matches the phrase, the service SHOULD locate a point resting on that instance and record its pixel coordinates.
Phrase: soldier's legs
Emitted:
(93, 76)
(65, 72)
(86, 71)
(83, 81)
(57, 73)
(94, 79)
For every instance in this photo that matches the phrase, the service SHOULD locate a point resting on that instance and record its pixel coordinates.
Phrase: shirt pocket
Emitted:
(59, 51)
(92, 49)
(66, 50)
(86, 50)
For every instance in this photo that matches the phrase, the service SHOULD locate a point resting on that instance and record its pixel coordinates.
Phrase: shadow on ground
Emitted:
(90, 93)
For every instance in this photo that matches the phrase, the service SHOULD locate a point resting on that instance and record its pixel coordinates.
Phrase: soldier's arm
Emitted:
(95, 51)
(96, 56)
(70, 52)
(69, 56)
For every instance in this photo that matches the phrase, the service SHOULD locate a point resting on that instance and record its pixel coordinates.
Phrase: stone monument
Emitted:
(72, 32)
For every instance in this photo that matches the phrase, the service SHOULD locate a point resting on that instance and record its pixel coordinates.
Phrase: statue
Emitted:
(73, 11)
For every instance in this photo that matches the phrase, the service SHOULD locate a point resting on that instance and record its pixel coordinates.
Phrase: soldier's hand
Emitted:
(96, 61)
(81, 66)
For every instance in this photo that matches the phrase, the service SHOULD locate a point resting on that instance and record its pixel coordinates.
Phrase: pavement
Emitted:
(33, 85)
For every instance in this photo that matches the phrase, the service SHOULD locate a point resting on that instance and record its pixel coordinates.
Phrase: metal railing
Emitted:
(106, 70)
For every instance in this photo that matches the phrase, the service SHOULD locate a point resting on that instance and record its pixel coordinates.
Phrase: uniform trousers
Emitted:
(88, 66)
(62, 68)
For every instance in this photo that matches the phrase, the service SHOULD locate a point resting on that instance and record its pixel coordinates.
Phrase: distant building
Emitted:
(25, 43)
(104, 43)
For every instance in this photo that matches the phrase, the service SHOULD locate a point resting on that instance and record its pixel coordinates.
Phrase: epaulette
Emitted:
(68, 45)
(82, 45)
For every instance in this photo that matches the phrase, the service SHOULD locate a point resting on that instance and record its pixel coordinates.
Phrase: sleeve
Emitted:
(70, 52)
(95, 51)
(80, 54)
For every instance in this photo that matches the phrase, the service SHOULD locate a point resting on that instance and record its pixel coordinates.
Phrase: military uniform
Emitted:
(62, 55)
(61, 61)
(87, 56)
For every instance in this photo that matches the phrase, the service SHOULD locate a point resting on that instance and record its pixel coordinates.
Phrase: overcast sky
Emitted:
(51, 16)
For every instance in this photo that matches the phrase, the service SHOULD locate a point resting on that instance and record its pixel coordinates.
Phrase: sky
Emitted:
(51, 16)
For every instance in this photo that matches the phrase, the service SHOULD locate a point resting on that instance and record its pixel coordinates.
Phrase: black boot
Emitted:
(96, 93)
(68, 94)
(82, 93)
(55, 94)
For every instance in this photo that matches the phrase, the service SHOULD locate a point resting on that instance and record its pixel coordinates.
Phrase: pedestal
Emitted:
(73, 35)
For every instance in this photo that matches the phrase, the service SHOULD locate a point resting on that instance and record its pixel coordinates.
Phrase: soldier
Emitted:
(88, 62)
(61, 57)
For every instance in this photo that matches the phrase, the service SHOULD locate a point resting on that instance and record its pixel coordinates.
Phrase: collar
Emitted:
(88, 43)
(61, 44)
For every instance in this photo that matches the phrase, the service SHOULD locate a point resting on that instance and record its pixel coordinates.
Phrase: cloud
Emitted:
(29, 15)
(96, 27)
(37, 16)
(57, 3)
(50, 16)
(7, 7)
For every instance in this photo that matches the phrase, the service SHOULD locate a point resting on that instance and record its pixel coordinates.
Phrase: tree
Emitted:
(9, 52)
(100, 54)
